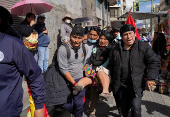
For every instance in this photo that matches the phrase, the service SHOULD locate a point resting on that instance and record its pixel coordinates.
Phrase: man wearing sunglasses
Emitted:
(72, 69)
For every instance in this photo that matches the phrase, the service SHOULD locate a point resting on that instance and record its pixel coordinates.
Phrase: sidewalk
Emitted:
(153, 105)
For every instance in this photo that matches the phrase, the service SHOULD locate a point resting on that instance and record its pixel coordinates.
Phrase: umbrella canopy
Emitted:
(34, 6)
(144, 15)
(81, 20)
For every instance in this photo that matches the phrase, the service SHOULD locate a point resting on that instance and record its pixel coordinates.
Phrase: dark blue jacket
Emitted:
(43, 39)
(15, 61)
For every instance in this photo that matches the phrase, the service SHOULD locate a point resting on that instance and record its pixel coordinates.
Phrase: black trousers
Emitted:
(128, 100)
(117, 102)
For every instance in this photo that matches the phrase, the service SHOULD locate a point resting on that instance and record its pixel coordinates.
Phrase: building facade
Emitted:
(117, 9)
(163, 7)
(53, 19)
(156, 9)
(97, 10)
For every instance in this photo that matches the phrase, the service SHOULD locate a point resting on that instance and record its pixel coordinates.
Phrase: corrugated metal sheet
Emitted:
(8, 4)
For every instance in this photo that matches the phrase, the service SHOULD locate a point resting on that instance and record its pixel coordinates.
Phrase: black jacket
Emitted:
(56, 87)
(40, 27)
(100, 56)
(142, 58)
(26, 29)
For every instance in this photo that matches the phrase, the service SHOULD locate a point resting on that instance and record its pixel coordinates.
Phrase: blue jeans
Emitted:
(43, 55)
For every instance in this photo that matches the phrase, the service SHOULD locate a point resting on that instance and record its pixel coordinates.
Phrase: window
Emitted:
(98, 3)
(114, 13)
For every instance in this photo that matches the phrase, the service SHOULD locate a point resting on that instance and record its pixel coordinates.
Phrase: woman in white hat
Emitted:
(66, 28)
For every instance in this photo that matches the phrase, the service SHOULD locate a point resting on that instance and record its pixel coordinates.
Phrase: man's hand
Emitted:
(39, 113)
(32, 22)
(150, 84)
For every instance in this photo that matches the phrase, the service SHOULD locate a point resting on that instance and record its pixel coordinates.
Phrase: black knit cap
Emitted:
(78, 31)
(5, 15)
(116, 26)
(125, 28)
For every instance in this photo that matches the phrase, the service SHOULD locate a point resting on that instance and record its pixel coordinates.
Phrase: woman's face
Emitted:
(103, 41)
(93, 35)
(29, 19)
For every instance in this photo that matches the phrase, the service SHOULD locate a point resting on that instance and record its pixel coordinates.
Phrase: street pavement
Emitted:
(153, 105)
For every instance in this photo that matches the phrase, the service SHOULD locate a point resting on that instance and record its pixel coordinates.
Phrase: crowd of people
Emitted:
(89, 59)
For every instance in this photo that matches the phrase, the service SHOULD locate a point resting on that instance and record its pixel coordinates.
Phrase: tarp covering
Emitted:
(145, 15)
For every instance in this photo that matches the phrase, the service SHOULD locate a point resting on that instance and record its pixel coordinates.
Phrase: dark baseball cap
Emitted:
(116, 26)
(41, 16)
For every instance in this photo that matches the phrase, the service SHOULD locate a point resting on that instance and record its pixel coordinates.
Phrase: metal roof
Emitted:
(145, 15)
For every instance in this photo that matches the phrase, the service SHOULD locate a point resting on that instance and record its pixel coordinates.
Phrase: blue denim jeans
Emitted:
(43, 55)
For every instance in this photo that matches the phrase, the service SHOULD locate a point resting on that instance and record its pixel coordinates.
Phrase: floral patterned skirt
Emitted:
(90, 73)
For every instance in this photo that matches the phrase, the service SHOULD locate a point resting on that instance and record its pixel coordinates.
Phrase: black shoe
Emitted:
(59, 108)
(120, 113)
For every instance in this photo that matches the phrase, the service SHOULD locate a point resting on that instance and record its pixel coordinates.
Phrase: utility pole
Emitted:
(152, 20)
(151, 5)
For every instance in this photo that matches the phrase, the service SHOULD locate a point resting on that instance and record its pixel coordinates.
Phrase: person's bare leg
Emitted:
(104, 80)
(81, 84)
(85, 81)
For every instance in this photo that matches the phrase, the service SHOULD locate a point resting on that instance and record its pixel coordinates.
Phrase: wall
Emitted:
(88, 9)
(54, 19)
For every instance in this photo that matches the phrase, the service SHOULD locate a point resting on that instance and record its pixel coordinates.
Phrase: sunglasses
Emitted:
(76, 53)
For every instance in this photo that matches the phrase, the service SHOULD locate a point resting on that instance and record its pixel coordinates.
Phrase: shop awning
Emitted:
(145, 15)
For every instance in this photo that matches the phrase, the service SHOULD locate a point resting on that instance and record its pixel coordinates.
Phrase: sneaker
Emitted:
(104, 96)
(77, 89)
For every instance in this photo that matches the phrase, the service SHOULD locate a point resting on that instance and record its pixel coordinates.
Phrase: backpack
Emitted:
(31, 41)
(56, 84)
